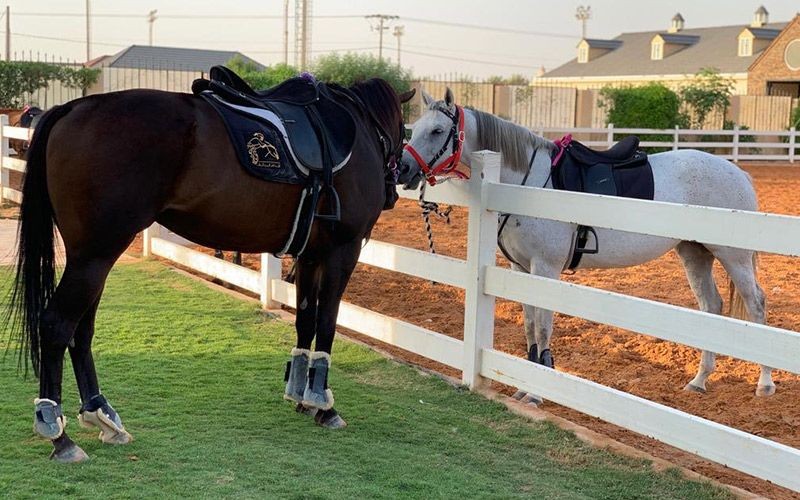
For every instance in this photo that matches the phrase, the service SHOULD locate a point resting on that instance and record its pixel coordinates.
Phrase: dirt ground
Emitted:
(641, 365)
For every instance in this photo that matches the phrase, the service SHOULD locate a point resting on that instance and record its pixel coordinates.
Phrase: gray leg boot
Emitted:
(317, 395)
(296, 375)
(48, 421)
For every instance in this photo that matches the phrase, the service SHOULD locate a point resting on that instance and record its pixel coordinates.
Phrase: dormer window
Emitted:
(656, 50)
(745, 47)
(583, 54)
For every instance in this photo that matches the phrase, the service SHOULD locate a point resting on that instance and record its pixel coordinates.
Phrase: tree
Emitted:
(259, 78)
(708, 92)
(350, 68)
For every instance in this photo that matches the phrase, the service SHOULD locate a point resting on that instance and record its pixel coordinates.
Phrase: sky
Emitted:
(518, 37)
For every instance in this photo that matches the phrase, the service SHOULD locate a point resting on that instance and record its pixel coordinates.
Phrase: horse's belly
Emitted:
(624, 249)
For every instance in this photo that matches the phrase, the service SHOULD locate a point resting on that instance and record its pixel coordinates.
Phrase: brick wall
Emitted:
(771, 66)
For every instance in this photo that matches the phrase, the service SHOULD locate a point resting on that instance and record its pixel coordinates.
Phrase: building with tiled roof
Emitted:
(674, 55)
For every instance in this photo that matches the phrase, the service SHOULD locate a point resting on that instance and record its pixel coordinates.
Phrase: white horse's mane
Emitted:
(510, 139)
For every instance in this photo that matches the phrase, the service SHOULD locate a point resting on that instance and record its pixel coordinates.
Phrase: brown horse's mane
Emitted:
(381, 100)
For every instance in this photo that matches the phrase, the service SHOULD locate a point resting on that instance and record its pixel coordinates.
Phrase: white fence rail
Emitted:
(736, 144)
(479, 362)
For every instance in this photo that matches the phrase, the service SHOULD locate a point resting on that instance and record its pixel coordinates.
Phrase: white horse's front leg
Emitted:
(538, 330)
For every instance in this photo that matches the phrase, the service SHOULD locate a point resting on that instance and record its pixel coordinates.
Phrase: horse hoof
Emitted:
(764, 391)
(72, 454)
(519, 395)
(694, 388)
(305, 410)
(330, 419)
(531, 399)
(116, 438)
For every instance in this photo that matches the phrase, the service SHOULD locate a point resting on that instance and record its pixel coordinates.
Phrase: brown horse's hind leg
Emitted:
(77, 292)
(95, 411)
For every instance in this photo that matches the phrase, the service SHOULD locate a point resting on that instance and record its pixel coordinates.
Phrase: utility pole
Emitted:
(8, 33)
(583, 14)
(151, 19)
(302, 33)
(88, 32)
(286, 32)
(398, 32)
(382, 19)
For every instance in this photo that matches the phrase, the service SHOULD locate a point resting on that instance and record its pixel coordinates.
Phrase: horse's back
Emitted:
(698, 178)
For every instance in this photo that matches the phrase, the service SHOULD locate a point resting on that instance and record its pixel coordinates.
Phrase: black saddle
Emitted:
(316, 125)
(295, 133)
(622, 170)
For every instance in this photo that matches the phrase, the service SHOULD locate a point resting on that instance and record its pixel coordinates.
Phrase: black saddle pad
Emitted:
(624, 170)
(316, 125)
(260, 146)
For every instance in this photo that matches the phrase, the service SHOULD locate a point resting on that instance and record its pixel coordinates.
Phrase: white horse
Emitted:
(544, 247)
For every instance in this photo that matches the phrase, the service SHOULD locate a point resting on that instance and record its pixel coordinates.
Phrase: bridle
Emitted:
(455, 139)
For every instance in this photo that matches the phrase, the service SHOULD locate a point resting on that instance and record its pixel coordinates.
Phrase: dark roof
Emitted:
(716, 47)
(179, 59)
(679, 39)
(762, 10)
(602, 44)
(764, 33)
(678, 17)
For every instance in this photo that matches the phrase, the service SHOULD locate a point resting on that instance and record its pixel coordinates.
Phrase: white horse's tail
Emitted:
(738, 309)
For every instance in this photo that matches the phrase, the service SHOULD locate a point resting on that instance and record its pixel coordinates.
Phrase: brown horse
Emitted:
(105, 167)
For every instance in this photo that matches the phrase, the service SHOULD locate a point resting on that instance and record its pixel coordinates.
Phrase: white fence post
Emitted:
(147, 239)
(675, 138)
(735, 151)
(792, 142)
(481, 252)
(4, 152)
(610, 135)
(270, 270)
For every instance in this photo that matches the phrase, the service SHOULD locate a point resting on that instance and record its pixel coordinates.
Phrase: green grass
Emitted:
(197, 377)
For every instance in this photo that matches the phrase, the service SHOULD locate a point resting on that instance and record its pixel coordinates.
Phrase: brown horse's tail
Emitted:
(34, 282)
(738, 309)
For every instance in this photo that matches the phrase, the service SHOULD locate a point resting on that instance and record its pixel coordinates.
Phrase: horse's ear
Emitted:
(427, 99)
(407, 95)
(448, 97)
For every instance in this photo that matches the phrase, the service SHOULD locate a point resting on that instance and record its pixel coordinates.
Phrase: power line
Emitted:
(462, 59)
(476, 52)
(71, 40)
(182, 16)
(487, 28)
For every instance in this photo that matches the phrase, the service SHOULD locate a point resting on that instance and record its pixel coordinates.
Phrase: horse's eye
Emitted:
(437, 131)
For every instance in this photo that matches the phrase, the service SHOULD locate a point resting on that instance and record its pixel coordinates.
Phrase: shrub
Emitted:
(20, 77)
(258, 78)
(647, 106)
(350, 68)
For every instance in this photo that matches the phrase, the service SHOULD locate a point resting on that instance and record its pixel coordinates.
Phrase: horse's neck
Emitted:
(540, 172)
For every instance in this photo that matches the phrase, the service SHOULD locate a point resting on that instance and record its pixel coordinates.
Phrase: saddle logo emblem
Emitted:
(262, 152)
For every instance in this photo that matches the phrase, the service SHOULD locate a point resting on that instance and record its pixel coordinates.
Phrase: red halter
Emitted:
(447, 165)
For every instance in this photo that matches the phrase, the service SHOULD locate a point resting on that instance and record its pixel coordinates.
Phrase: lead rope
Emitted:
(428, 208)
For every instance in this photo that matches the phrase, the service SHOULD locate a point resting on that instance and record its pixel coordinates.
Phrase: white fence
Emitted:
(736, 145)
(6, 162)
(482, 280)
